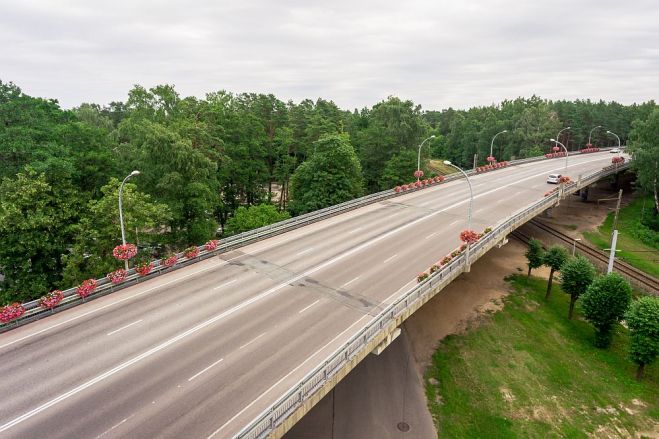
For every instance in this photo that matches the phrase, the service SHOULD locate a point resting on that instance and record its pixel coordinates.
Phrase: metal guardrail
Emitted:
(273, 416)
(33, 311)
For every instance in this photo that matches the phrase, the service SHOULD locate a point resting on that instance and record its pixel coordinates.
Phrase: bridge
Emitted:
(244, 343)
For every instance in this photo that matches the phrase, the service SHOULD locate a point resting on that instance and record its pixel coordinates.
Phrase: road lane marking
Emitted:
(113, 427)
(204, 370)
(286, 376)
(390, 258)
(307, 307)
(92, 311)
(124, 327)
(253, 340)
(234, 309)
(349, 282)
(350, 232)
(431, 235)
(305, 251)
(226, 284)
(454, 222)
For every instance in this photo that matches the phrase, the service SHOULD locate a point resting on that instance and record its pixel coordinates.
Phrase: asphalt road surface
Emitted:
(202, 351)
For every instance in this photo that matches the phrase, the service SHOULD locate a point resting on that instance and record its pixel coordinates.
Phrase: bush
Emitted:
(576, 276)
(604, 304)
(534, 255)
(643, 322)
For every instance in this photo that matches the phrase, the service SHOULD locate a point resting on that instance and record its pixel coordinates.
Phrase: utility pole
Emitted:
(475, 159)
(615, 217)
(612, 255)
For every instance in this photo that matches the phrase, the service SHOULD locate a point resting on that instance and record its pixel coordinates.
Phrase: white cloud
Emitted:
(438, 53)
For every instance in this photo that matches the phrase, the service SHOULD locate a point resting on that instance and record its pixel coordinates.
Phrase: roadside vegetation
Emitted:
(530, 372)
(638, 235)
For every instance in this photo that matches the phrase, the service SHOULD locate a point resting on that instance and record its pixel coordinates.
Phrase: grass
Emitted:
(439, 168)
(528, 372)
(633, 250)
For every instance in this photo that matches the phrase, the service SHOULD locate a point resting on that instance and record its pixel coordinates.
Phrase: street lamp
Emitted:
(471, 205)
(491, 157)
(566, 153)
(418, 159)
(590, 133)
(121, 214)
(611, 132)
(558, 136)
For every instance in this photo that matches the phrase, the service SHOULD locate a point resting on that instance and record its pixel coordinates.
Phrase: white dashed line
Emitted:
(249, 343)
(389, 259)
(307, 307)
(204, 370)
(349, 282)
(225, 284)
(305, 251)
(124, 327)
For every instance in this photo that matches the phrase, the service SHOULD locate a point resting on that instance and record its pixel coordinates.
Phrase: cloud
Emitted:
(437, 53)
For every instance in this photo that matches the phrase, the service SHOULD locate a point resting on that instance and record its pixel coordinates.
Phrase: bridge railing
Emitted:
(272, 417)
(33, 310)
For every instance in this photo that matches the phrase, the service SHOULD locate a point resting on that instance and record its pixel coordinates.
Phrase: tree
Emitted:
(253, 217)
(605, 303)
(332, 175)
(576, 276)
(645, 149)
(642, 318)
(554, 258)
(534, 255)
(36, 221)
(399, 169)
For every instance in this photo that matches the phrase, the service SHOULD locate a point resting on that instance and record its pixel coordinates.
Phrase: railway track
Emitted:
(636, 276)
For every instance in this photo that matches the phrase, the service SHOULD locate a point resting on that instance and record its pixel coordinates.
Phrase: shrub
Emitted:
(643, 321)
(576, 276)
(534, 255)
(604, 304)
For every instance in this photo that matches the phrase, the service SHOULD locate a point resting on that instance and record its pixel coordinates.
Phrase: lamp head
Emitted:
(568, 128)
(134, 173)
(608, 132)
(447, 162)
(432, 137)
(553, 140)
(504, 131)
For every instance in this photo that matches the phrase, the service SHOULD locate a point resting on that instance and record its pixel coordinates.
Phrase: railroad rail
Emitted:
(641, 279)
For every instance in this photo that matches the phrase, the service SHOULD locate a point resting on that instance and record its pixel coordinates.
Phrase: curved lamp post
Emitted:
(611, 132)
(564, 149)
(418, 159)
(491, 157)
(558, 136)
(591, 133)
(471, 205)
(121, 214)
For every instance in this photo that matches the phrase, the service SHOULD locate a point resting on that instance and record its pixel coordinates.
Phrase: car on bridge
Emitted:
(553, 178)
(615, 151)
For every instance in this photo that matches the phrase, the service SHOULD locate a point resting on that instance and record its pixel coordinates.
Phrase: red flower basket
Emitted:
(124, 252)
(491, 159)
(87, 287)
(564, 179)
(191, 252)
(616, 160)
(434, 268)
(445, 260)
(213, 243)
(468, 236)
(117, 276)
(144, 269)
(418, 174)
(170, 261)
(404, 187)
(11, 312)
(52, 299)
(397, 189)
(421, 277)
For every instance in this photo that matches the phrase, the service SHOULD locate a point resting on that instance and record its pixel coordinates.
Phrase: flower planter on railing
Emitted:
(191, 252)
(117, 276)
(492, 166)
(419, 184)
(87, 287)
(144, 269)
(589, 148)
(617, 160)
(11, 312)
(170, 261)
(52, 299)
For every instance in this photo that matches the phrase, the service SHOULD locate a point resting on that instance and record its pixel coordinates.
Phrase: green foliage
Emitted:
(604, 304)
(36, 225)
(576, 276)
(253, 217)
(644, 147)
(399, 169)
(642, 318)
(554, 258)
(534, 255)
(98, 232)
(332, 175)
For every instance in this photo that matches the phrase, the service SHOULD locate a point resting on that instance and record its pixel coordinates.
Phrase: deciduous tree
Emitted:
(554, 258)
(576, 276)
(604, 304)
(643, 321)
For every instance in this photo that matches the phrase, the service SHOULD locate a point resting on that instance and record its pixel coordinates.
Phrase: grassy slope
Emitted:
(439, 168)
(529, 372)
(645, 260)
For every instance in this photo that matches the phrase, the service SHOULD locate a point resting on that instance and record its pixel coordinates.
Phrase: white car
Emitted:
(615, 151)
(553, 178)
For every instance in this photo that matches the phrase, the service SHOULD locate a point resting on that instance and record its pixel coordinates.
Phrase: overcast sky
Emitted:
(457, 53)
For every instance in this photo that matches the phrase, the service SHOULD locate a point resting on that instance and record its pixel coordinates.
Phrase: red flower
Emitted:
(87, 287)
(397, 189)
(117, 276)
(421, 277)
(434, 268)
(564, 179)
(418, 174)
(124, 252)
(445, 260)
(468, 236)
(170, 260)
(404, 187)
(52, 299)
(491, 159)
(191, 252)
(144, 269)
(11, 312)
(213, 243)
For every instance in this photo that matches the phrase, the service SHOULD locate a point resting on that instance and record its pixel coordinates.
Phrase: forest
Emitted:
(229, 162)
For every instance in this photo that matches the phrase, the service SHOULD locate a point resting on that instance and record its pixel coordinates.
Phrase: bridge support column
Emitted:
(584, 194)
